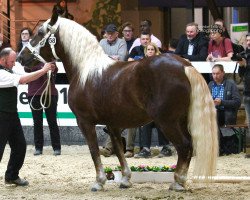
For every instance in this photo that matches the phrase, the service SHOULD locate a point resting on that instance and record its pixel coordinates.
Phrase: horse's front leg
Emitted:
(115, 135)
(89, 132)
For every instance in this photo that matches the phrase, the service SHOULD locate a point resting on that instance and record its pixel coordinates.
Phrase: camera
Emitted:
(239, 56)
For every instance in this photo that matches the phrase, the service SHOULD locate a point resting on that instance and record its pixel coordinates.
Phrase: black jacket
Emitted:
(244, 72)
(231, 100)
(200, 51)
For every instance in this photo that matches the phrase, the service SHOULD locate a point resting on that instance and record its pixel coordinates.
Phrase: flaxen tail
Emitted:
(202, 125)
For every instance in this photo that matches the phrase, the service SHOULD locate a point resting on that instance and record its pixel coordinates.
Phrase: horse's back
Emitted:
(138, 91)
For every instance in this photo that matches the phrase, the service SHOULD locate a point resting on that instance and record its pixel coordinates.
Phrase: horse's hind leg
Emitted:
(178, 134)
(115, 135)
(90, 135)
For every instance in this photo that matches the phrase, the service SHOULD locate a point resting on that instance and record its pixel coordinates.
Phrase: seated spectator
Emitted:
(137, 52)
(151, 50)
(219, 48)
(114, 47)
(221, 23)
(226, 98)
(145, 27)
(172, 45)
(128, 34)
(193, 45)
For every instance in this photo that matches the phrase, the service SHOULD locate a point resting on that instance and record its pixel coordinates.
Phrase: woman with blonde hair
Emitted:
(151, 49)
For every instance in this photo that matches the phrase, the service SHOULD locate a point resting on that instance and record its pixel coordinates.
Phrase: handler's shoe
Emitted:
(38, 152)
(17, 182)
(247, 156)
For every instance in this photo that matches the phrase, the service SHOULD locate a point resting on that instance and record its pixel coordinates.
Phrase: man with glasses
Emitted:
(114, 47)
(128, 34)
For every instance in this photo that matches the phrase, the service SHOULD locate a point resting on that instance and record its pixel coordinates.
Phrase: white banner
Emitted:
(64, 114)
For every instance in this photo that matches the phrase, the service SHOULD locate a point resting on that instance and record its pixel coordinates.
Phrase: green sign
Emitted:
(240, 28)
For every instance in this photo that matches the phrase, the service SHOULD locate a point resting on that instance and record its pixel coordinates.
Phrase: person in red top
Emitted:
(219, 48)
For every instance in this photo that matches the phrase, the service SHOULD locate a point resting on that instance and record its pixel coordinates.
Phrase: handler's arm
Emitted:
(37, 74)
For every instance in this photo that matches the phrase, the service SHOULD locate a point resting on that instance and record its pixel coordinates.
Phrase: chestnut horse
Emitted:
(163, 89)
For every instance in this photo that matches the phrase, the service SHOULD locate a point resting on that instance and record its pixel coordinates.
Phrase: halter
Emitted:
(52, 41)
(36, 52)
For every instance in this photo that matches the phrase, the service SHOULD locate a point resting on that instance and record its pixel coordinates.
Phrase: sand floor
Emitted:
(71, 175)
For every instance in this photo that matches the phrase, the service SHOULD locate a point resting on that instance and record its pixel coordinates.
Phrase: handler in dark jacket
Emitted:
(193, 45)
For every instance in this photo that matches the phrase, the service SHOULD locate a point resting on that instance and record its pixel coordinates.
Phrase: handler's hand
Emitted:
(49, 66)
(217, 101)
(243, 63)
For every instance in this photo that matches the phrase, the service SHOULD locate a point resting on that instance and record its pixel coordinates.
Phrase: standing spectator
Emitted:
(244, 71)
(192, 45)
(219, 48)
(25, 35)
(145, 27)
(35, 89)
(137, 52)
(114, 47)
(10, 126)
(226, 100)
(146, 131)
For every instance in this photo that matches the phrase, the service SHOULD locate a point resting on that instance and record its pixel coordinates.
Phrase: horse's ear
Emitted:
(54, 16)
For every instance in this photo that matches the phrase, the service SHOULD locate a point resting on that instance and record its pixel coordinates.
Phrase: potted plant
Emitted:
(145, 173)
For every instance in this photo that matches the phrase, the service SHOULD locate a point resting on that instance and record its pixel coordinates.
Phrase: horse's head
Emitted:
(42, 46)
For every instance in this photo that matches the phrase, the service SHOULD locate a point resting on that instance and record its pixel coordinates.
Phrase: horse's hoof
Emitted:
(176, 187)
(126, 185)
(97, 187)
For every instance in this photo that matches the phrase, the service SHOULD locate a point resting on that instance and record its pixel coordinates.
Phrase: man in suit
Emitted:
(193, 45)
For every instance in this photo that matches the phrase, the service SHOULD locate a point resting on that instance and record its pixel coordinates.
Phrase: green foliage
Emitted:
(144, 168)
(106, 12)
(108, 170)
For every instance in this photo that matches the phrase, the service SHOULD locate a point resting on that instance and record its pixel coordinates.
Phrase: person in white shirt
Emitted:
(10, 127)
(145, 26)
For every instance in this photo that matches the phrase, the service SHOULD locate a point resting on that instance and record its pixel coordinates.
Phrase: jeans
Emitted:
(11, 131)
(50, 113)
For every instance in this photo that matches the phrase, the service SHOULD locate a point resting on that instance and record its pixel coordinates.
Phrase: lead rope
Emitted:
(46, 94)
